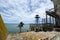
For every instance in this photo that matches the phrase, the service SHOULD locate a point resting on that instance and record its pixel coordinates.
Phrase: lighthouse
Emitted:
(37, 19)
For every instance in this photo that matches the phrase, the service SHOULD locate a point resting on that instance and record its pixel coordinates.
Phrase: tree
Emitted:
(20, 25)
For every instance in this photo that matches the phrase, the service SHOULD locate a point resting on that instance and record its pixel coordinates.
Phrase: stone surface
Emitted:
(35, 36)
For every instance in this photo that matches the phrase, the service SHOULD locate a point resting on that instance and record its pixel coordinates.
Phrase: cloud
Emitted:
(14, 11)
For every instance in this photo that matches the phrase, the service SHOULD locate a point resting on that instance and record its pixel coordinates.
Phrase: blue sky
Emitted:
(14, 11)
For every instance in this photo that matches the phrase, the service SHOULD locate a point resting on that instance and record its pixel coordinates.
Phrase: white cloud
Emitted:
(22, 10)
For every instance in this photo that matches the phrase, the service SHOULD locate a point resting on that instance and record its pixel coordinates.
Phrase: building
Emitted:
(36, 27)
(55, 14)
(41, 27)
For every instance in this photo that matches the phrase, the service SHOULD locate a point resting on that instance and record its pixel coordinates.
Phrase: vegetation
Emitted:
(20, 25)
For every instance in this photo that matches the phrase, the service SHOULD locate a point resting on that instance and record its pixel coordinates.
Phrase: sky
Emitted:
(15, 11)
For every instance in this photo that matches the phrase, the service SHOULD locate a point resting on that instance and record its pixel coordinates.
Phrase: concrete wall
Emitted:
(3, 30)
(57, 5)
